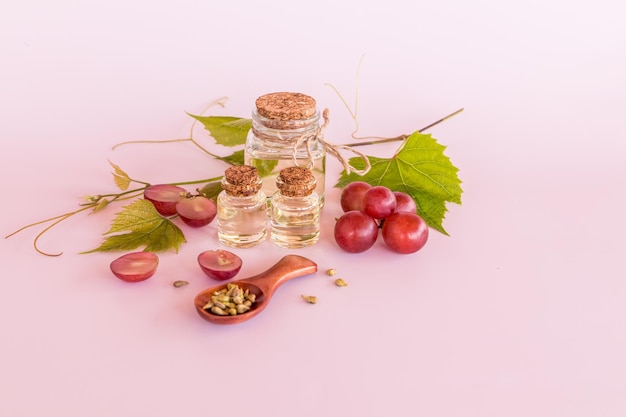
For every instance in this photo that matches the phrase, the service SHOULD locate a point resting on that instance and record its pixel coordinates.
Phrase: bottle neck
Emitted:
(282, 132)
(309, 200)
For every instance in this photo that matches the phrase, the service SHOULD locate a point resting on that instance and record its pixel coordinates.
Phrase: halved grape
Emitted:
(219, 264)
(164, 197)
(355, 231)
(135, 266)
(379, 202)
(404, 202)
(196, 211)
(352, 196)
(405, 232)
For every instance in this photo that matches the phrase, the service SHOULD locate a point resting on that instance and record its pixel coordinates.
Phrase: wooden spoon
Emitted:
(262, 285)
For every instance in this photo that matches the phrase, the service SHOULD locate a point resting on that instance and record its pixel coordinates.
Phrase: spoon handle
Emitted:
(288, 267)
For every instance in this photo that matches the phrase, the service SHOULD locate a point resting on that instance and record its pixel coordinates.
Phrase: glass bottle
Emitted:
(241, 208)
(295, 209)
(279, 121)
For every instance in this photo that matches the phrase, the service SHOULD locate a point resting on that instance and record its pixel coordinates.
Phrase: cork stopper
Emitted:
(296, 182)
(241, 181)
(286, 106)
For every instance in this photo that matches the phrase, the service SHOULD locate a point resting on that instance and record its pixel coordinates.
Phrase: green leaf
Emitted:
(121, 178)
(100, 205)
(139, 224)
(236, 158)
(211, 190)
(226, 130)
(264, 166)
(420, 169)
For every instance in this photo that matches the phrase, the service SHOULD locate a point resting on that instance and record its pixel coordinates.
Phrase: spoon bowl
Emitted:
(262, 285)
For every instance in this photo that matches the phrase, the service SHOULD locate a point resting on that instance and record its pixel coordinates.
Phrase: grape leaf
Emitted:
(211, 190)
(121, 178)
(264, 166)
(100, 205)
(420, 169)
(139, 224)
(226, 130)
(236, 158)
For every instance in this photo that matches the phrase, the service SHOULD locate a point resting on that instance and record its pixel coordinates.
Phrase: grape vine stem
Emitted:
(94, 203)
(217, 102)
(355, 118)
(404, 136)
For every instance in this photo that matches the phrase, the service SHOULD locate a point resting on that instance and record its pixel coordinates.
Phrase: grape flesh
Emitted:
(355, 231)
(379, 202)
(135, 266)
(219, 264)
(405, 202)
(405, 232)
(196, 211)
(164, 197)
(352, 196)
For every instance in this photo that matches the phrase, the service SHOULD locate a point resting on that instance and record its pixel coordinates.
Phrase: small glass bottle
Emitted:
(241, 208)
(295, 209)
(279, 122)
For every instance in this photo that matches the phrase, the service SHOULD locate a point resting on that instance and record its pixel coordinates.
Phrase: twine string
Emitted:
(334, 150)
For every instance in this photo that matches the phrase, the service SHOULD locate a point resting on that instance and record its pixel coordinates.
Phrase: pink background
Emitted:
(520, 312)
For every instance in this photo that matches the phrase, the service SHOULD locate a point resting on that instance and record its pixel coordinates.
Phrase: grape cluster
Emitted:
(369, 208)
(195, 211)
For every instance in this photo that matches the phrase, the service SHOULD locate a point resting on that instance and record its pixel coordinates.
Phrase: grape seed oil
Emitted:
(283, 134)
(241, 208)
(295, 209)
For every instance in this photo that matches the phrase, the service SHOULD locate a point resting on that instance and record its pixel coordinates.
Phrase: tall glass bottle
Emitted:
(241, 208)
(295, 209)
(281, 124)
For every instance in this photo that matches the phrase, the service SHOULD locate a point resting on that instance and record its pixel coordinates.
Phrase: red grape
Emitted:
(379, 202)
(196, 211)
(135, 266)
(219, 264)
(405, 232)
(405, 202)
(164, 197)
(355, 231)
(352, 196)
